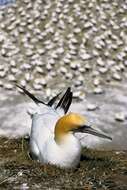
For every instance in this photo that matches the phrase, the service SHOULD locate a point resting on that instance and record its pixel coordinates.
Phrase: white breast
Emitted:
(66, 155)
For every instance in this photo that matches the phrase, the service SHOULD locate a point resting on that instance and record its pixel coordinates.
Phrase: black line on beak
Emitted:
(90, 130)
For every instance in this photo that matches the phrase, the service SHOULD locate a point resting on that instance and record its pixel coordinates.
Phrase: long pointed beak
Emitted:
(90, 130)
(94, 132)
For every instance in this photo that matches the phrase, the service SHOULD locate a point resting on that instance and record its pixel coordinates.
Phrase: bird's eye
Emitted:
(80, 128)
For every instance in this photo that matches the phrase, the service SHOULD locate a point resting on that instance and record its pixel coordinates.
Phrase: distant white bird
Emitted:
(52, 138)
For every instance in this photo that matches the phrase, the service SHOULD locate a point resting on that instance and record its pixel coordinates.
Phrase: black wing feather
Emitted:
(37, 101)
(52, 101)
(65, 101)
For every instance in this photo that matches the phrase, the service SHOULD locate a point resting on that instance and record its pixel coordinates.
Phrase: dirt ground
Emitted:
(98, 170)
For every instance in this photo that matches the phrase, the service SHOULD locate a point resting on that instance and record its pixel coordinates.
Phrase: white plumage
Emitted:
(66, 155)
(42, 128)
(52, 138)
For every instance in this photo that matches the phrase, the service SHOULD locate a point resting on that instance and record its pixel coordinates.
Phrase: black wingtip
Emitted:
(65, 101)
(52, 100)
(37, 101)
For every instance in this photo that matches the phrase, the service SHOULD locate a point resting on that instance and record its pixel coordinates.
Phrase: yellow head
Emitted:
(72, 123)
(67, 124)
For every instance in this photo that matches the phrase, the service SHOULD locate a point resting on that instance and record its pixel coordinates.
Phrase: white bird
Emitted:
(44, 119)
(52, 138)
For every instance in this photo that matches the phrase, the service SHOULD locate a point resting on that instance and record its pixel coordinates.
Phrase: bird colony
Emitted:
(50, 44)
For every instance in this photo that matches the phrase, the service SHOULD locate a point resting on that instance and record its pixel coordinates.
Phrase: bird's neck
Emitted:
(61, 137)
(65, 139)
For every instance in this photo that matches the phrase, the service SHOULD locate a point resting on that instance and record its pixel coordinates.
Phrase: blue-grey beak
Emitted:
(90, 130)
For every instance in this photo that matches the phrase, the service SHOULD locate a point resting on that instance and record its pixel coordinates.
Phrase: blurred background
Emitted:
(48, 45)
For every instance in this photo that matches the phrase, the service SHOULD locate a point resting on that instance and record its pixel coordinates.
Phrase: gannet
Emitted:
(52, 138)
(44, 119)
